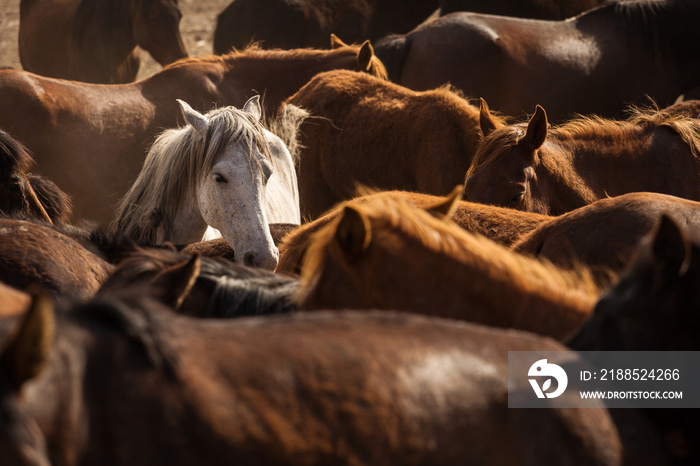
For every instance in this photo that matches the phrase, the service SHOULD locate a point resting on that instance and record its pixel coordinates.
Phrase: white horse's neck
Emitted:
(282, 192)
(188, 226)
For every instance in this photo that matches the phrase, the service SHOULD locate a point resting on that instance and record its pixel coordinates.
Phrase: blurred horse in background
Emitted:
(534, 9)
(599, 62)
(95, 40)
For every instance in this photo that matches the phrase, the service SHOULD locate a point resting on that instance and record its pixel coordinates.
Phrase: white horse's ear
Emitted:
(253, 107)
(193, 117)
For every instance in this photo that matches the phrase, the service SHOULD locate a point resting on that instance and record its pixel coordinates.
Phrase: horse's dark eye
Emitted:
(219, 178)
(517, 198)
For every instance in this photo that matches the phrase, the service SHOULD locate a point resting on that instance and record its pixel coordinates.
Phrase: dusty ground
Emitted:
(197, 28)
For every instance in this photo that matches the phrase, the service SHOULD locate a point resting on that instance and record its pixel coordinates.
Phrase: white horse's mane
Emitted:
(173, 167)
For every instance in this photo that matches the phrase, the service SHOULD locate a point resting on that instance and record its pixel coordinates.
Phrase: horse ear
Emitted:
(670, 247)
(536, 129)
(336, 43)
(446, 208)
(253, 107)
(486, 120)
(29, 348)
(364, 56)
(178, 280)
(354, 232)
(193, 117)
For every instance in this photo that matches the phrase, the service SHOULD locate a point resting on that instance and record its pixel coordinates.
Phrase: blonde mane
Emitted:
(641, 121)
(174, 166)
(255, 52)
(449, 240)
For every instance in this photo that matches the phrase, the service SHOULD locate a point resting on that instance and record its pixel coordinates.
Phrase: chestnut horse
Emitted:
(381, 135)
(24, 193)
(203, 286)
(595, 63)
(603, 236)
(536, 9)
(95, 40)
(308, 23)
(389, 255)
(128, 382)
(654, 307)
(502, 225)
(91, 139)
(35, 254)
(555, 170)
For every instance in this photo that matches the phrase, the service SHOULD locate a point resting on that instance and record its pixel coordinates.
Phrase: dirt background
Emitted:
(197, 29)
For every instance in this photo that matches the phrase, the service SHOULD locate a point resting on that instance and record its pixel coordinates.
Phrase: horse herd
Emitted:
(287, 254)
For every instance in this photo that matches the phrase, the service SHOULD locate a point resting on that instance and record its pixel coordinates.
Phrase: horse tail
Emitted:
(392, 51)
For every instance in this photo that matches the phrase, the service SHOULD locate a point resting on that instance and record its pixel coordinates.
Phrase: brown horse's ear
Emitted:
(486, 120)
(336, 43)
(365, 55)
(446, 208)
(670, 248)
(29, 348)
(178, 280)
(354, 232)
(536, 129)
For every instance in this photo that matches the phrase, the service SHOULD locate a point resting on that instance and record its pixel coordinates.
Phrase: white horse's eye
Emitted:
(219, 178)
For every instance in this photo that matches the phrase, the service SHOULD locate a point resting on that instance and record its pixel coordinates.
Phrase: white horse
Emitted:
(223, 170)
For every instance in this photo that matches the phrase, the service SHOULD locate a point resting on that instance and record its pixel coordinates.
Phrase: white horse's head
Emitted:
(232, 195)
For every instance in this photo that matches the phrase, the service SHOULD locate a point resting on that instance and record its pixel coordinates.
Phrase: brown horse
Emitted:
(308, 23)
(389, 255)
(598, 62)
(23, 193)
(654, 307)
(555, 170)
(31, 253)
(378, 134)
(502, 225)
(95, 40)
(128, 382)
(91, 139)
(203, 286)
(603, 236)
(536, 9)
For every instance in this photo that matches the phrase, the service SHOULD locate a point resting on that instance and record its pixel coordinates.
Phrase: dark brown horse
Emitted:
(603, 236)
(502, 225)
(95, 40)
(309, 23)
(537, 9)
(654, 307)
(122, 380)
(24, 193)
(555, 170)
(598, 62)
(31, 253)
(378, 134)
(389, 255)
(91, 139)
(203, 286)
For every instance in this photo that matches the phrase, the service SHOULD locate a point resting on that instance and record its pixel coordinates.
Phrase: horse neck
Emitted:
(186, 225)
(500, 224)
(281, 76)
(282, 192)
(504, 287)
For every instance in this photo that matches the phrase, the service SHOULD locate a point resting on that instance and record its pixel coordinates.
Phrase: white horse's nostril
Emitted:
(250, 259)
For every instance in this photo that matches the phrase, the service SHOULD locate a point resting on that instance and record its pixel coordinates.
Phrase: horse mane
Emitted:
(14, 159)
(658, 25)
(254, 52)
(287, 125)
(173, 167)
(58, 204)
(444, 238)
(502, 140)
(238, 290)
